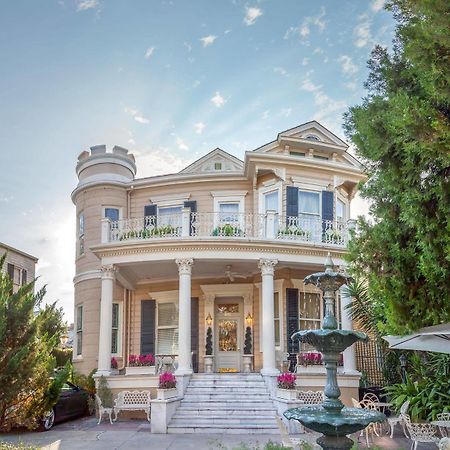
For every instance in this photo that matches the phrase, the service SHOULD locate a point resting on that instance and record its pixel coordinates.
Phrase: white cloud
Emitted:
(181, 144)
(317, 51)
(362, 34)
(87, 4)
(265, 114)
(348, 67)
(208, 40)
(188, 46)
(149, 52)
(286, 112)
(218, 100)
(351, 85)
(6, 198)
(377, 5)
(251, 14)
(280, 70)
(199, 127)
(309, 86)
(159, 162)
(134, 113)
(304, 30)
(305, 61)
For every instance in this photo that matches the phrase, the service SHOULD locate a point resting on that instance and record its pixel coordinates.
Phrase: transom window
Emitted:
(228, 308)
(312, 137)
(167, 333)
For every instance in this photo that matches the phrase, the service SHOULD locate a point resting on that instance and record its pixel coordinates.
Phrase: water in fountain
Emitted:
(331, 418)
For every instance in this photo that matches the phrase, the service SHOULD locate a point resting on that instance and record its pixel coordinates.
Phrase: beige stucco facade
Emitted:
(230, 229)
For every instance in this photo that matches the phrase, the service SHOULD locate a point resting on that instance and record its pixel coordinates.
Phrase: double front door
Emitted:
(229, 335)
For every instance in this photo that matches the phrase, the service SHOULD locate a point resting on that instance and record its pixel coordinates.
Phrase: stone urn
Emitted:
(209, 363)
(247, 363)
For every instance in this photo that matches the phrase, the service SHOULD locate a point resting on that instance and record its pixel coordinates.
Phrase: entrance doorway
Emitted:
(229, 334)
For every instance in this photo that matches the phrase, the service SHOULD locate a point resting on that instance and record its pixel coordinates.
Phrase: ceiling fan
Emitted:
(232, 275)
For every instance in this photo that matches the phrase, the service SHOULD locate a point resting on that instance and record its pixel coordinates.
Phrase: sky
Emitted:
(170, 81)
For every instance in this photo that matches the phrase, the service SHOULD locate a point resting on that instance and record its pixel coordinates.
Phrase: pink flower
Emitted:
(286, 380)
(141, 360)
(167, 380)
(114, 363)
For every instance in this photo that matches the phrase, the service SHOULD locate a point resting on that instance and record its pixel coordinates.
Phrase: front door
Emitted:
(228, 335)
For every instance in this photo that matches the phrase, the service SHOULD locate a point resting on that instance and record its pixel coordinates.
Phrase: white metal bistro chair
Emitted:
(372, 427)
(372, 397)
(103, 410)
(445, 417)
(420, 432)
(394, 420)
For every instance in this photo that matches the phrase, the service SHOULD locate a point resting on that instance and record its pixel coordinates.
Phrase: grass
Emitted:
(20, 446)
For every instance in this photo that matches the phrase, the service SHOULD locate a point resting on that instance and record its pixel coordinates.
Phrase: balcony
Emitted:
(234, 226)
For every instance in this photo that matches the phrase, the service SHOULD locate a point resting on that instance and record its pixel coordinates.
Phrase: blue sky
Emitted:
(170, 80)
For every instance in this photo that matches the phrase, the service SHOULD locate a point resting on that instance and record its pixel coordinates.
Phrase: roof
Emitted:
(20, 252)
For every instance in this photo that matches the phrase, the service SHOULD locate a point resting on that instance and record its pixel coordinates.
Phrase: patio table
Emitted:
(444, 427)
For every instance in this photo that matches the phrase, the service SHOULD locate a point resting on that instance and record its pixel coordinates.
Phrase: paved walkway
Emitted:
(85, 434)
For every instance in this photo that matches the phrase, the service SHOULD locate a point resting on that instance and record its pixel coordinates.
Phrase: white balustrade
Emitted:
(269, 226)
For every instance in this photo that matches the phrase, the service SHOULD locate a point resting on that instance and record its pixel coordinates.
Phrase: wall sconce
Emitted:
(249, 319)
(209, 320)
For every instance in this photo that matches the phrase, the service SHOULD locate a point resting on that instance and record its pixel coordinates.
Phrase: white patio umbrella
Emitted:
(429, 339)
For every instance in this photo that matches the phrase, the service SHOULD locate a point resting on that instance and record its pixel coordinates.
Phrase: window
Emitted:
(24, 277)
(308, 203)
(218, 166)
(81, 234)
(320, 157)
(229, 212)
(79, 330)
(312, 137)
(170, 215)
(309, 313)
(271, 201)
(276, 310)
(112, 214)
(115, 328)
(298, 154)
(167, 334)
(340, 210)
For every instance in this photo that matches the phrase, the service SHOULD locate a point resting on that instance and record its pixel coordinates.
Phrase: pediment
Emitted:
(216, 161)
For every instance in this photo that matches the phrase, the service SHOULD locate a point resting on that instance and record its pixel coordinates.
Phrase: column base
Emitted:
(102, 372)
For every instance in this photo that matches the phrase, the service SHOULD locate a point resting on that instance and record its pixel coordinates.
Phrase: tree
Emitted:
(208, 346)
(248, 341)
(402, 134)
(26, 361)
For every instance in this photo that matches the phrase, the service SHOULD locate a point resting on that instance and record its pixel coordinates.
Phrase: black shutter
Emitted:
(150, 210)
(24, 277)
(291, 202)
(327, 208)
(11, 271)
(194, 333)
(291, 319)
(193, 205)
(148, 308)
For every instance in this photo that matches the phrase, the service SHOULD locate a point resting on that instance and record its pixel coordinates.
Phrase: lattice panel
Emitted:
(370, 362)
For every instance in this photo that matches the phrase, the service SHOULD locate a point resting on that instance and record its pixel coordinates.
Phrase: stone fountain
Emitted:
(331, 418)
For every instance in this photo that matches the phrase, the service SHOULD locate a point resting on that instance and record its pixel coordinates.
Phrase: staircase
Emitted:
(225, 403)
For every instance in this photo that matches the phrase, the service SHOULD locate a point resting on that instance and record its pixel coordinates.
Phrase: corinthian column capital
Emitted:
(108, 272)
(184, 266)
(267, 266)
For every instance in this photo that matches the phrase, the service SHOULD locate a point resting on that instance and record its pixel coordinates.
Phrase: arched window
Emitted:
(312, 137)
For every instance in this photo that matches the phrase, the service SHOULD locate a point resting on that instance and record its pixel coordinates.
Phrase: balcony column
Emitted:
(184, 317)
(106, 230)
(347, 324)
(267, 267)
(104, 340)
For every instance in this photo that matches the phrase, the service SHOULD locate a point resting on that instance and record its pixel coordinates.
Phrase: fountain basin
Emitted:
(326, 340)
(348, 421)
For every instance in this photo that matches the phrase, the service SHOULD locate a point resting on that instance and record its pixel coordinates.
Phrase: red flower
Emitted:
(167, 380)
(114, 363)
(286, 380)
(141, 360)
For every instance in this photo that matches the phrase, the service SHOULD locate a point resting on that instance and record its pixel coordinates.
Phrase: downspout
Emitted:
(125, 329)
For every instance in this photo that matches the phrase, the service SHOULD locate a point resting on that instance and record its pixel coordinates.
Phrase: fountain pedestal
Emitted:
(331, 418)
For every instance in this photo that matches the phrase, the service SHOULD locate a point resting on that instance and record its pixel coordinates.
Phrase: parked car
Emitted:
(73, 402)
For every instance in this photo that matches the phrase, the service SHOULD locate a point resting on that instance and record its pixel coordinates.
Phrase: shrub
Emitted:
(227, 230)
(248, 341)
(286, 380)
(167, 380)
(105, 393)
(141, 360)
(208, 346)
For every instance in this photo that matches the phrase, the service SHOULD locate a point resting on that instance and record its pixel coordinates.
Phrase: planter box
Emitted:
(140, 370)
(165, 394)
(209, 363)
(287, 394)
(247, 363)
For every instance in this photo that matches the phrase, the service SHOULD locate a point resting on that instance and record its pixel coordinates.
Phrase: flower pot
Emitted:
(247, 363)
(165, 394)
(287, 394)
(209, 363)
(140, 370)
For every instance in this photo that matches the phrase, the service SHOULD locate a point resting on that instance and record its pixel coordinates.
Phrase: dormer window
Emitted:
(312, 137)
(218, 166)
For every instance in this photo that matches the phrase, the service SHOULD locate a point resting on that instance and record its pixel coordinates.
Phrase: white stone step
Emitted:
(226, 410)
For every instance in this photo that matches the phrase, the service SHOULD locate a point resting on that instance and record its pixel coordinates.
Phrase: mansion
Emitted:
(223, 244)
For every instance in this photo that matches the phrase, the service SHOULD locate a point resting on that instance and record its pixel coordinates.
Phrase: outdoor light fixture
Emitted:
(249, 319)
(209, 320)
(403, 363)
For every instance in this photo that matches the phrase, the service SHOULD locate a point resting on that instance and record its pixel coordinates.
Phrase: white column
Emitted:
(349, 352)
(270, 224)
(104, 340)
(184, 317)
(106, 230)
(268, 326)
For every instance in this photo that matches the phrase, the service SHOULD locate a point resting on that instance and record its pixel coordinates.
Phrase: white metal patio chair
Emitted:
(371, 429)
(372, 397)
(444, 430)
(394, 420)
(102, 410)
(420, 432)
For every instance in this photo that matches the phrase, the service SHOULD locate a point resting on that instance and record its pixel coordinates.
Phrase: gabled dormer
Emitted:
(216, 161)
